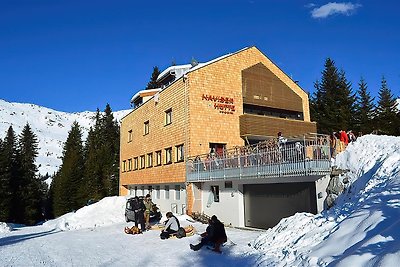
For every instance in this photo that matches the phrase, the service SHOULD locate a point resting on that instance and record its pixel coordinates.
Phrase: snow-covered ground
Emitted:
(361, 230)
(50, 126)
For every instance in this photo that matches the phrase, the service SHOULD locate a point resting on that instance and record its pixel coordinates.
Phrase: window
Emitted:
(146, 128)
(179, 153)
(158, 192)
(124, 166)
(149, 160)
(215, 192)
(168, 155)
(129, 165)
(167, 192)
(228, 184)
(177, 192)
(129, 136)
(142, 162)
(135, 163)
(168, 116)
(158, 158)
(142, 193)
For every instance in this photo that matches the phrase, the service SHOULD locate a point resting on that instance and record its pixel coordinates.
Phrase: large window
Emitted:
(168, 116)
(146, 128)
(129, 136)
(142, 162)
(179, 153)
(157, 191)
(135, 163)
(168, 155)
(158, 158)
(149, 160)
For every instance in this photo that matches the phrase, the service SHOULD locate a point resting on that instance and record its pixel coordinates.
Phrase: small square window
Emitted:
(146, 128)
(158, 158)
(179, 153)
(228, 184)
(129, 136)
(129, 165)
(168, 155)
(177, 192)
(142, 162)
(124, 166)
(167, 192)
(168, 116)
(149, 160)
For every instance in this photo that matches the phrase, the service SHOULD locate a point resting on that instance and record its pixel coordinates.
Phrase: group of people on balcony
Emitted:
(272, 151)
(340, 140)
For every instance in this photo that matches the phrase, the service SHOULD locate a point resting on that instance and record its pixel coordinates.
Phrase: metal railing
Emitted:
(309, 155)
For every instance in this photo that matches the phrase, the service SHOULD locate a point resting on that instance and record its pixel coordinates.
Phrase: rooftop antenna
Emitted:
(173, 63)
(194, 62)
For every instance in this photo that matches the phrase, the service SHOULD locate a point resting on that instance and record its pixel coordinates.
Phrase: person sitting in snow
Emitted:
(214, 235)
(171, 226)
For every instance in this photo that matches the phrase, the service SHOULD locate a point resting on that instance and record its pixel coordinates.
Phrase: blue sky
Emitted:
(79, 55)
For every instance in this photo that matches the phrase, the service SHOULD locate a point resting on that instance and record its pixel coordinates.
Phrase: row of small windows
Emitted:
(147, 161)
(135, 191)
(146, 124)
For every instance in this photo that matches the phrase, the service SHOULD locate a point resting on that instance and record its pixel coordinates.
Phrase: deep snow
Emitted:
(361, 230)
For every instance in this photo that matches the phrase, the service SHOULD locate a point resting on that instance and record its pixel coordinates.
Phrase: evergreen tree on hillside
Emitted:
(345, 102)
(10, 174)
(386, 111)
(110, 152)
(153, 80)
(5, 184)
(364, 109)
(323, 107)
(66, 194)
(32, 190)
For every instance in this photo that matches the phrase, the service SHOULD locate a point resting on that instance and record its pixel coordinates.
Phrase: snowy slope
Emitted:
(50, 126)
(362, 230)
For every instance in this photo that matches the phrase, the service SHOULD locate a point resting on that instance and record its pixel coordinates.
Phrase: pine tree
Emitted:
(32, 190)
(323, 107)
(386, 111)
(110, 152)
(5, 184)
(153, 80)
(345, 102)
(364, 109)
(66, 194)
(10, 173)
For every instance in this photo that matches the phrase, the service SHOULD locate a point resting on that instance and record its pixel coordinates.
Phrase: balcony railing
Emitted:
(269, 159)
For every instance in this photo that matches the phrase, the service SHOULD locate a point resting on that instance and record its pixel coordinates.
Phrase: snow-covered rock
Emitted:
(5, 228)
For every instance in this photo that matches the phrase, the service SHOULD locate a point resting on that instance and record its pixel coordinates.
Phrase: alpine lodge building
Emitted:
(206, 142)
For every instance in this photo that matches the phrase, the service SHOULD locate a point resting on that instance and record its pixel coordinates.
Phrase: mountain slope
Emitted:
(50, 126)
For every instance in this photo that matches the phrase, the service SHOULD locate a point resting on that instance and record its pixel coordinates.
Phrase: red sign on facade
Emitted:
(222, 104)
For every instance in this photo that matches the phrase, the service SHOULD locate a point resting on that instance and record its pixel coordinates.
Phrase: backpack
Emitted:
(181, 232)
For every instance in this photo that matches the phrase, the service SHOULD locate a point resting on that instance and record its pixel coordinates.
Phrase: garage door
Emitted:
(266, 204)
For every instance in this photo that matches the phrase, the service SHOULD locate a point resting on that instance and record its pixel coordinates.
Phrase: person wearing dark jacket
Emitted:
(214, 235)
(139, 208)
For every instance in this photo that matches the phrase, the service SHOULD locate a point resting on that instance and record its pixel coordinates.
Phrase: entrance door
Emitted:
(218, 148)
(266, 204)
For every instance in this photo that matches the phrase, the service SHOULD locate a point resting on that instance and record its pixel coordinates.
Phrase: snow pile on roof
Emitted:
(362, 229)
(108, 211)
(5, 228)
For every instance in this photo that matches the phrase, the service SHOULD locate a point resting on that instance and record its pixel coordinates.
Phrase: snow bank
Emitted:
(362, 229)
(5, 228)
(107, 211)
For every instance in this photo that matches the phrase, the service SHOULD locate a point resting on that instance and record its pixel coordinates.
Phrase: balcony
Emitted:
(306, 156)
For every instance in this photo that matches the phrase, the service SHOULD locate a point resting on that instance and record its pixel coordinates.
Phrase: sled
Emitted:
(134, 230)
